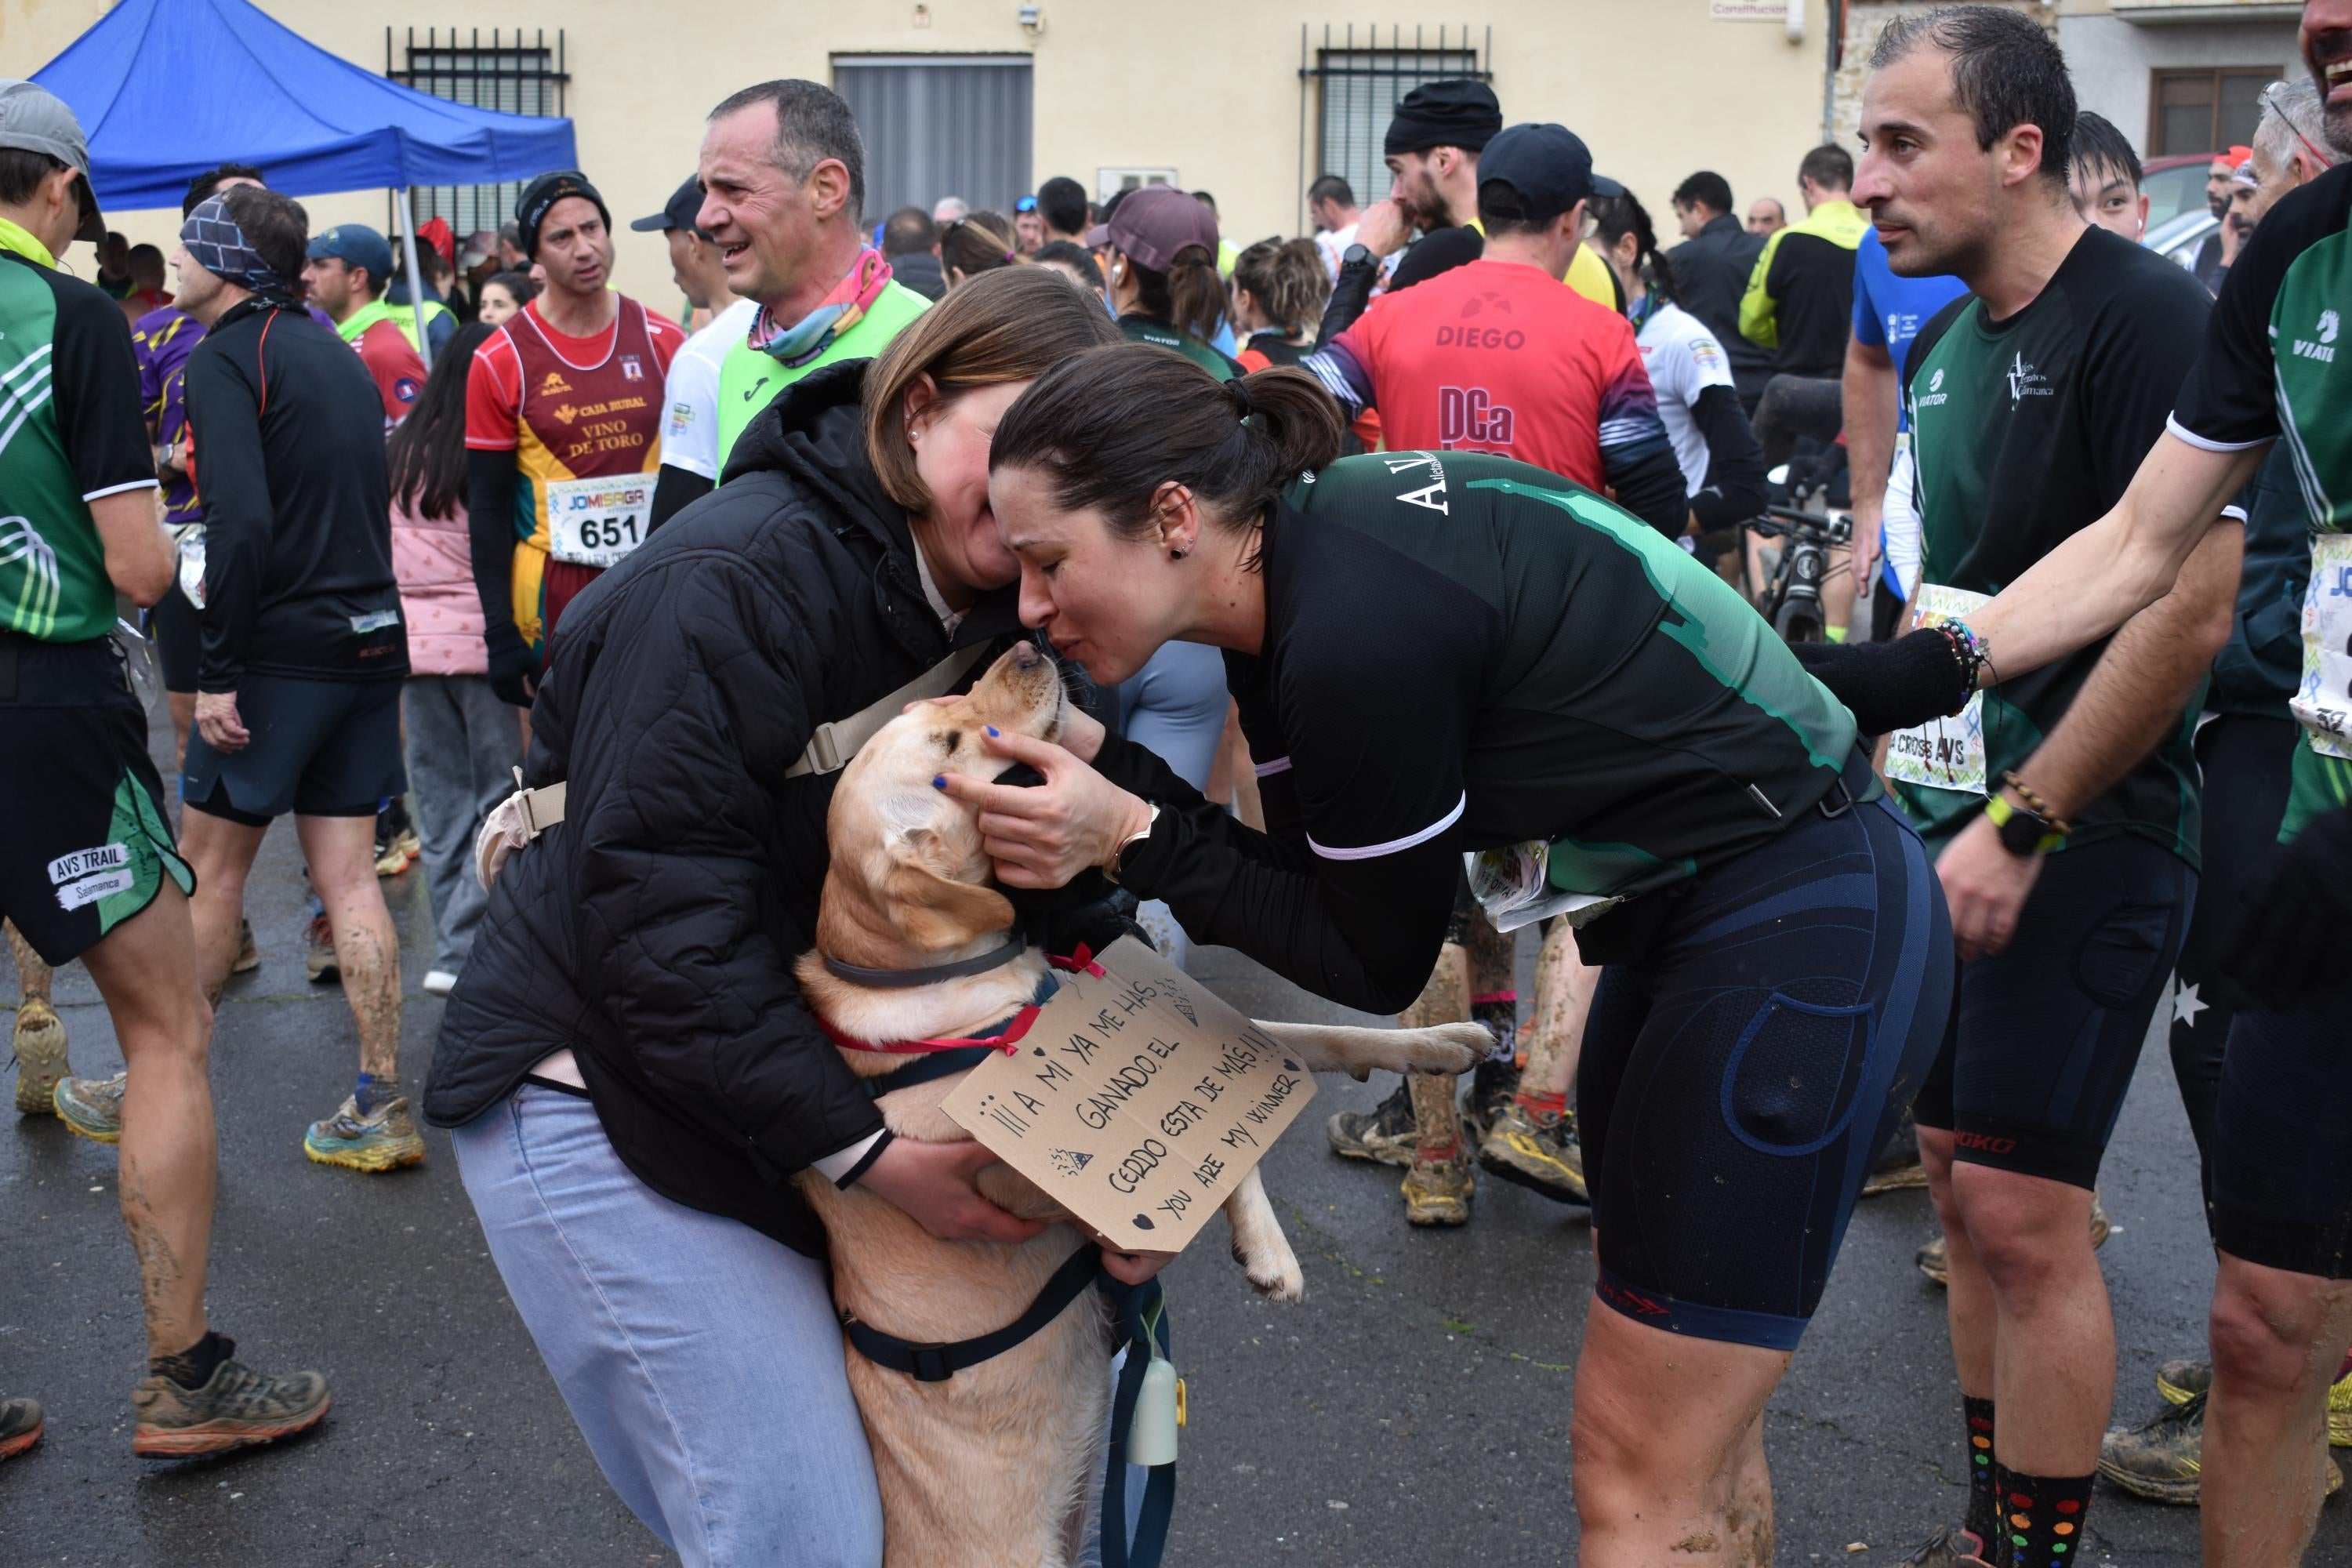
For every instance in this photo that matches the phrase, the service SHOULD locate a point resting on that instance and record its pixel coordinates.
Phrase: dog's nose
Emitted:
(1026, 656)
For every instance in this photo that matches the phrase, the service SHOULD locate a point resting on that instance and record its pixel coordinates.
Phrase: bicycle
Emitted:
(1793, 600)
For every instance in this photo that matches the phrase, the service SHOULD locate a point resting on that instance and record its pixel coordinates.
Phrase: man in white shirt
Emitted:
(1331, 203)
(689, 439)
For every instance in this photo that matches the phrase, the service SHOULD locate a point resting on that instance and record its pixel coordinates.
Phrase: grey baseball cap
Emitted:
(36, 120)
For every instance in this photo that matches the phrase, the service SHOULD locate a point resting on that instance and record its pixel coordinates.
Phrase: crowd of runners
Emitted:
(1895, 909)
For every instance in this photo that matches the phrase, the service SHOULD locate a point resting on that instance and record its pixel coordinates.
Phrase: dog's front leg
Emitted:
(1259, 1246)
(1451, 1048)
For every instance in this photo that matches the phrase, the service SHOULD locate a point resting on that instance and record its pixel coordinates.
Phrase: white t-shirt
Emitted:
(690, 437)
(1333, 243)
(1684, 360)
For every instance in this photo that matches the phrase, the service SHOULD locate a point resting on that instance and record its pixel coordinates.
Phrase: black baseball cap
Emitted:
(684, 206)
(1544, 169)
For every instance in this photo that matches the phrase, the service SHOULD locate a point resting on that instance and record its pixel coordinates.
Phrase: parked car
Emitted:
(2179, 239)
(2175, 185)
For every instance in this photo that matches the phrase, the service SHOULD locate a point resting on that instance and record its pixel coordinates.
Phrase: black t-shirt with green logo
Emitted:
(2023, 431)
(2277, 365)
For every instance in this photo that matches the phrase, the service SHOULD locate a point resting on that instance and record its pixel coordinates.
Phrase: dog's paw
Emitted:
(1274, 1274)
(1440, 1047)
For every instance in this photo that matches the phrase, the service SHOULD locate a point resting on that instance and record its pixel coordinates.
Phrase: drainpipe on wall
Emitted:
(1834, 56)
(1796, 13)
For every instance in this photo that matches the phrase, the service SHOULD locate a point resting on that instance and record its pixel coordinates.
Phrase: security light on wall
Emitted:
(1033, 20)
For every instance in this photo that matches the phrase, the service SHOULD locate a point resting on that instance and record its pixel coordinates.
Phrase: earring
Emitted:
(1175, 556)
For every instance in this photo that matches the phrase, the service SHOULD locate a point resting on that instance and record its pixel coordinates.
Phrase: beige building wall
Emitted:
(1212, 88)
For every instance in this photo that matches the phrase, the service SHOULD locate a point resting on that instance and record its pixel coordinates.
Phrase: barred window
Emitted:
(505, 72)
(1363, 77)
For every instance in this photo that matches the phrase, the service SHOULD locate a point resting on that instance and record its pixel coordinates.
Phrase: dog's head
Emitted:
(907, 869)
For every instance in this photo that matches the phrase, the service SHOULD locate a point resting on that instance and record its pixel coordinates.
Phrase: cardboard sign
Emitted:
(1137, 1099)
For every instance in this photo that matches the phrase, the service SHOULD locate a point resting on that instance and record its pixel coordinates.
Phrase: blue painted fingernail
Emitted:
(939, 782)
(992, 729)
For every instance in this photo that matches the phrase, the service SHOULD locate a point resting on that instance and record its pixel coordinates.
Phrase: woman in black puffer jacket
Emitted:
(629, 1068)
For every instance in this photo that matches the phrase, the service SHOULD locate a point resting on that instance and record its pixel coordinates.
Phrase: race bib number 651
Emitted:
(596, 521)
(1943, 754)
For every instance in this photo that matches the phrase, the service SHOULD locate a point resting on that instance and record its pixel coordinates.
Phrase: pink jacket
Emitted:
(435, 569)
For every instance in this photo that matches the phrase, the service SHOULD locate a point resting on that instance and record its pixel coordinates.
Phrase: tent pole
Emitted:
(415, 279)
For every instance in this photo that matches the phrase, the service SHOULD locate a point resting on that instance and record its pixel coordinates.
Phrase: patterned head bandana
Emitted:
(219, 247)
(797, 342)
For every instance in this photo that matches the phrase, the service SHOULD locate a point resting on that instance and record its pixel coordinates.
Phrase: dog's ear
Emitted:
(932, 910)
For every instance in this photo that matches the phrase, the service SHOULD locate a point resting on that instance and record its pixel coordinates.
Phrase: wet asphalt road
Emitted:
(1412, 1412)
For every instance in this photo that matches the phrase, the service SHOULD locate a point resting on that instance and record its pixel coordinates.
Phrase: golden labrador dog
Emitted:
(991, 1469)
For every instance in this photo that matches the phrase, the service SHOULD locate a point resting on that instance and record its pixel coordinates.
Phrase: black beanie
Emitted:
(543, 193)
(1460, 114)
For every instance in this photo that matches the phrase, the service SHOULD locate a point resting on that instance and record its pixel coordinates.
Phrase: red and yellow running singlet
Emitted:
(583, 416)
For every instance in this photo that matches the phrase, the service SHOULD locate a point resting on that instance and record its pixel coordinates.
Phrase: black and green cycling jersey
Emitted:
(2277, 366)
(2024, 430)
(1143, 330)
(1468, 651)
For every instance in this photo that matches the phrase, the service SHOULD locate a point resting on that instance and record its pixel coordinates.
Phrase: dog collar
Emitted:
(1005, 1036)
(904, 979)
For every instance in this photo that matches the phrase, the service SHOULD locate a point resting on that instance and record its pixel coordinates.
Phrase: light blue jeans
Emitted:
(702, 1359)
(1174, 707)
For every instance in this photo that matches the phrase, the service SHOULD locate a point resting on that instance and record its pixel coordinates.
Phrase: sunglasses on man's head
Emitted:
(1025, 204)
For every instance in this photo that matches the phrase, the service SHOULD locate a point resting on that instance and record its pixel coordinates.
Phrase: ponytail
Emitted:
(1287, 279)
(1111, 425)
(977, 243)
(1615, 217)
(1189, 297)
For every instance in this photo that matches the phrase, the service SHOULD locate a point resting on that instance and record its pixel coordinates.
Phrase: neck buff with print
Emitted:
(215, 243)
(843, 308)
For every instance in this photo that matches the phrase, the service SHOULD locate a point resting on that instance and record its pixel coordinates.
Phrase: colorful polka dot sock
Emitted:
(2043, 1522)
(1984, 1480)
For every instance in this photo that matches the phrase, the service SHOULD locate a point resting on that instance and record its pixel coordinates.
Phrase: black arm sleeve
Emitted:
(1649, 485)
(1363, 934)
(1734, 491)
(489, 538)
(674, 491)
(1349, 295)
(1889, 686)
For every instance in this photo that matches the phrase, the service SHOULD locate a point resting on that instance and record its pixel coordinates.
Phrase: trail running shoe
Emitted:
(1540, 1153)
(40, 1047)
(93, 1106)
(248, 956)
(2162, 1459)
(1437, 1191)
(1898, 1169)
(384, 1140)
(395, 849)
(1931, 1258)
(322, 964)
(20, 1426)
(1384, 1133)
(2339, 1412)
(2184, 1380)
(1493, 1083)
(1950, 1547)
(237, 1408)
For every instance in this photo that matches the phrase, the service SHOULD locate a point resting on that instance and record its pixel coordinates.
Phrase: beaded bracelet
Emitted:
(1962, 648)
(2036, 805)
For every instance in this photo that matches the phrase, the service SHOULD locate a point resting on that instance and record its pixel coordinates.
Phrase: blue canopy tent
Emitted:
(167, 89)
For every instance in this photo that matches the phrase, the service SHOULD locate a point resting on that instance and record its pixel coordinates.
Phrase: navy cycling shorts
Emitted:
(2046, 1033)
(1738, 1080)
(2282, 1139)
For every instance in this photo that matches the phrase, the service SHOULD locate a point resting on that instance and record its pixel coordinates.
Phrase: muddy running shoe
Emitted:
(396, 839)
(1437, 1191)
(1898, 1169)
(1384, 1133)
(1493, 1083)
(322, 964)
(1540, 1153)
(20, 1426)
(384, 1140)
(1932, 1261)
(40, 1047)
(236, 1408)
(2184, 1380)
(2162, 1459)
(2339, 1412)
(248, 957)
(1950, 1547)
(91, 1106)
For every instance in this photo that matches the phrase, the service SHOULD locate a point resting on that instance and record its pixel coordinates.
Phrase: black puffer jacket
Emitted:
(654, 931)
